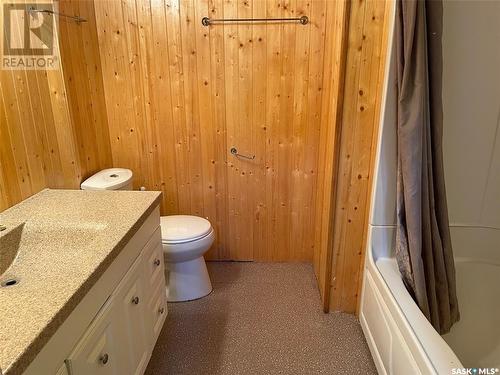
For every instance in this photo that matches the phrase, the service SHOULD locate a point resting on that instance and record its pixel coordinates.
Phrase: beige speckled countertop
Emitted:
(68, 238)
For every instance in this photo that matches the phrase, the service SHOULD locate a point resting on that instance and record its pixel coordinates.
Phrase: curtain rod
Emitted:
(304, 20)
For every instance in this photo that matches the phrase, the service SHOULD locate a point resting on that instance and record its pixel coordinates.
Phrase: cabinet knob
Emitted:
(104, 358)
(157, 262)
(161, 310)
(135, 300)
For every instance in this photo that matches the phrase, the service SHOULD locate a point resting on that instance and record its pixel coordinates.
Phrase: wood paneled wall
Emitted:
(53, 129)
(37, 145)
(360, 42)
(364, 71)
(81, 64)
(329, 149)
(179, 95)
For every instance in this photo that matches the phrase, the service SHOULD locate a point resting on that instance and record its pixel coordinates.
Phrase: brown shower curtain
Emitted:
(423, 244)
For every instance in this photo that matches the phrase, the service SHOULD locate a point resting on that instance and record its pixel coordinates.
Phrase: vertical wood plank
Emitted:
(273, 36)
(232, 109)
(208, 147)
(260, 133)
(299, 210)
(218, 111)
(244, 127)
(284, 127)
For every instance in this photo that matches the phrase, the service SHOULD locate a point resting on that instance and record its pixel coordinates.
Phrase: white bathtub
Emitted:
(401, 339)
(476, 337)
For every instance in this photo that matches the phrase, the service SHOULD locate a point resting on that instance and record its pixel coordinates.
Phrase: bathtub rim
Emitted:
(426, 346)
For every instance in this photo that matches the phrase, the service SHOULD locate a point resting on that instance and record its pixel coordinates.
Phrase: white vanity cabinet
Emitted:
(122, 336)
(119, 337)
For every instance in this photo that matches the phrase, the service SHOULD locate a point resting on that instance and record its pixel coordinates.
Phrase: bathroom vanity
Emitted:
(88, 284)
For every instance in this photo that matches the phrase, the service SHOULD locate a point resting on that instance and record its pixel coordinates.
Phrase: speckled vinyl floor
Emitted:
(261, 318)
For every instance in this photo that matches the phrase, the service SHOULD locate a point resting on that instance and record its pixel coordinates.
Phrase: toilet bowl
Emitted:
(185, 239)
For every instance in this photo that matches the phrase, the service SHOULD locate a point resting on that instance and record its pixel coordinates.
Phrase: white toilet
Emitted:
(185, 239)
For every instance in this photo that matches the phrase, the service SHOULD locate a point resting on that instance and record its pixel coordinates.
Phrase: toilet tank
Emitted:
(109, 179)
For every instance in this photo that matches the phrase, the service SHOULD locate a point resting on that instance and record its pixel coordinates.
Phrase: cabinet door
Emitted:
(98, 351)
(154, 267)
(132, 322)
(154, 274)
(157, 308)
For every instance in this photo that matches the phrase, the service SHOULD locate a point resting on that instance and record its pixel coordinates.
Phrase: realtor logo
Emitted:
(29, 37)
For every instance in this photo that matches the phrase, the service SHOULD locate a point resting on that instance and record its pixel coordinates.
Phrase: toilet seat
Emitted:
(180, 229)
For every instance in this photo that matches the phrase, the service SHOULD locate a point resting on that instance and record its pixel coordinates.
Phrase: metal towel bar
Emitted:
(304, 20)
(77, 19)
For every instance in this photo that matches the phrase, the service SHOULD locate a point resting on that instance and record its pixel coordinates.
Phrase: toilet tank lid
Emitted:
(183, 228)
(108, 179)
